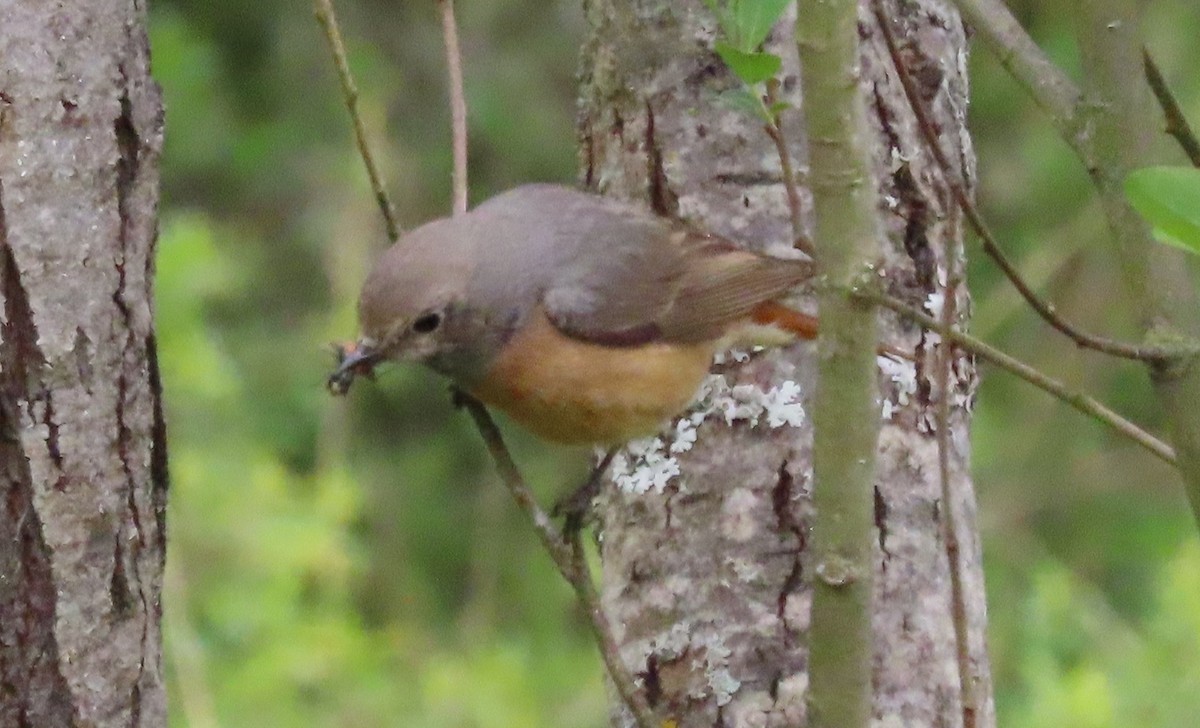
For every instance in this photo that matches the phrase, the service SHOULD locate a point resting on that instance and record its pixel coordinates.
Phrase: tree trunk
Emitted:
(707, 574)
(82, 452)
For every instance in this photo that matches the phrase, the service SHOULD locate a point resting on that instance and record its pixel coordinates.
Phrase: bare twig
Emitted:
(565, 549)
(567, 553)
(328, 20)
(458, 104)
(945, 355)
(1081, 402)
(774, 130)
(1151, 354)
(1051, 88)
(958, 605)
(1177, 123)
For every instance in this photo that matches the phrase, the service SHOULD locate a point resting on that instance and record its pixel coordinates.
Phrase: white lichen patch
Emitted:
(713, 660)
(723, 685)
(738, 521)
(903, 376)
(778, 406)
(644, 465)
(745, 570)
(674, 643)
(648, 464)
(935, 304)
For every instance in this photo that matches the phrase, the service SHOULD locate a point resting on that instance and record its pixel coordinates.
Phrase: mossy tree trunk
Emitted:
(82, 450)
(709, 581)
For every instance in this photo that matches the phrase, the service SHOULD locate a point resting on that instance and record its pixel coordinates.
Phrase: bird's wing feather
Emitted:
(722, 287)
(669, 284)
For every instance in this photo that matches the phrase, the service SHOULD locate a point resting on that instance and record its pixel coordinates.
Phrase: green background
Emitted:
(354, 563)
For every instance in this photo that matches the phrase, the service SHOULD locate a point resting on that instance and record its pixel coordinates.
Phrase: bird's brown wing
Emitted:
(721, 287)
(667, 284)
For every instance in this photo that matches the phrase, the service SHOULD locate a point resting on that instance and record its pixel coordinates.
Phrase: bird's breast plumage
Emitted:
(571, 391)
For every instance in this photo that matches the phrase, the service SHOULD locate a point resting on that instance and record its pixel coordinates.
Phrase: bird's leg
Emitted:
(576, 506)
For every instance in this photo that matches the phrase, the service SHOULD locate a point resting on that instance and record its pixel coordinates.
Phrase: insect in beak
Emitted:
(354, 359)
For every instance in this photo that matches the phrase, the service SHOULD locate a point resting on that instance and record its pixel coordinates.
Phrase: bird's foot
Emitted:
(576, 506)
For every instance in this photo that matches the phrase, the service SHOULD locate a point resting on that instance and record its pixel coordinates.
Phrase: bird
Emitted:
(585, 319)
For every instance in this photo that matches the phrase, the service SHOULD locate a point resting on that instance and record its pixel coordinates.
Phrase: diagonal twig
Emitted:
(566, 554)
(944, 357)
(1051, 88)
(1145, 353)
(326, 16)
(1177, 123)
(1087, 405)
(774, 129)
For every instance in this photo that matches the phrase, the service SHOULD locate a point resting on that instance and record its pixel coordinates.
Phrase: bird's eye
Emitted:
(427, 322)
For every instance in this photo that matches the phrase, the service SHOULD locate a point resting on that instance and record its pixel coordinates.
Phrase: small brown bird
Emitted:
(587, 320)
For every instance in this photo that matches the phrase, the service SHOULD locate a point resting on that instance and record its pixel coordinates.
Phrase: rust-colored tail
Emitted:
(804, 326)
(770, 313)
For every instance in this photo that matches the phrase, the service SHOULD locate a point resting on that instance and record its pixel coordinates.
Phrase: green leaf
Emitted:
(744, 100)
(1169, 199)
(753, 20)
(751, 68)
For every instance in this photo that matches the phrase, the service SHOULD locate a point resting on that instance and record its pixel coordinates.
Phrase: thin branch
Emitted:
(774, 129)
(1081, 402)
(1151, 354)
(458, 104)
(1177, 123)
(1123, 119)
(946, 354)
(958, 606)
(565, 549)
(1051, 88)
(328, 20)
(567, 553)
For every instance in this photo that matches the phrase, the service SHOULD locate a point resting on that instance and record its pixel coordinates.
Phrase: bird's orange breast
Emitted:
(571, 391)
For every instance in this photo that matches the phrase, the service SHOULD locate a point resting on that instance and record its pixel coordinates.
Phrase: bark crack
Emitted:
(122, 588)
(787, 522)
(29, 655)
(587, 144)
(881, 522)
(159, 472)
(662, 199)
(128, 164)
(914, 209)
(126, 583)
(652, 681)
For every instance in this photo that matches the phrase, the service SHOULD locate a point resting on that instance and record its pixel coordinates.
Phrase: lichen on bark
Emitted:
(708, 581)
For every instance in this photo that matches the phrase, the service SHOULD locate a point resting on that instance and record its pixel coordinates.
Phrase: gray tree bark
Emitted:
(707, 580)
(82, 452)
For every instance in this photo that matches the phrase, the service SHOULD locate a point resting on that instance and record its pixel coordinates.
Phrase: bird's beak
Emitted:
(353, 359)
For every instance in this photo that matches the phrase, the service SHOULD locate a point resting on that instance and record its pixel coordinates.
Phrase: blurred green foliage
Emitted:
(352, 563)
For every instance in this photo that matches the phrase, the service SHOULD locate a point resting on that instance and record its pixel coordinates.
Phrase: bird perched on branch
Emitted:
(585, 319)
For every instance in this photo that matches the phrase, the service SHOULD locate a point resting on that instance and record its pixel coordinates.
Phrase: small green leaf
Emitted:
(1169, 199)
(753, 20)
(751, 68)
(745, 100)
(779, 107)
